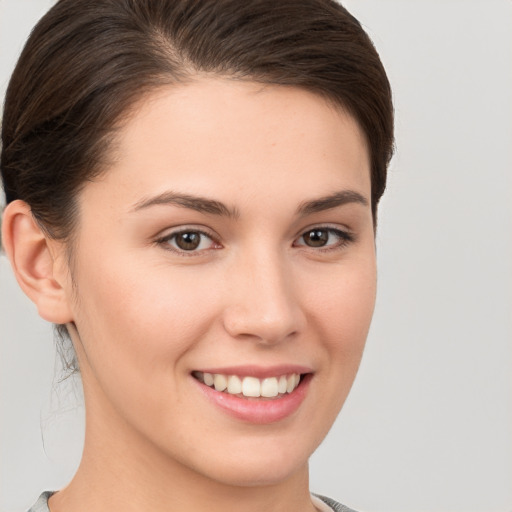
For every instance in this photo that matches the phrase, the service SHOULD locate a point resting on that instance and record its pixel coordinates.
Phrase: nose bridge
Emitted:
(263, 304)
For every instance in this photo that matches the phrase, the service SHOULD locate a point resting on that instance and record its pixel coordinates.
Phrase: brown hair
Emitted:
(88, 61)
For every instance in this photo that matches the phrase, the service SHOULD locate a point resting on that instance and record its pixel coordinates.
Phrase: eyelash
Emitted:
(344, 239)
(166, 241)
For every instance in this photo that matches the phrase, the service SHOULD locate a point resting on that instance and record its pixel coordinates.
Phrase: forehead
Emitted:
(222, 137)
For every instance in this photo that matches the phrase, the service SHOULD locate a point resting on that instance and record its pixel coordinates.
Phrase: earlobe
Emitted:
(34, 262)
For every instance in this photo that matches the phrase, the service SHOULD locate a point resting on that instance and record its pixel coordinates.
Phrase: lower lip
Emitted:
(259, 411)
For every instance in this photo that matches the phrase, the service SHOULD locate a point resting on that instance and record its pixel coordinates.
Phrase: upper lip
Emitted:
(260, 372)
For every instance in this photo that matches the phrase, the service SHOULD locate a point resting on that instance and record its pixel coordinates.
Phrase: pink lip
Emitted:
(257, 411)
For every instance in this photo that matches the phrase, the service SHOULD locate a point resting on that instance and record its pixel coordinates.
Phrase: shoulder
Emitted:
(41, 505)
(334, 505)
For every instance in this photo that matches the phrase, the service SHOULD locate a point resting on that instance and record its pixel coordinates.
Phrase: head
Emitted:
(87, 63)
(98, 77)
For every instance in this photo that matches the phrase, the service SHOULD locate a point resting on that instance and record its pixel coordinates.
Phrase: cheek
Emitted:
(344, 306)
(137, 326)
(141, 314)
(341, 309)
(343, 315)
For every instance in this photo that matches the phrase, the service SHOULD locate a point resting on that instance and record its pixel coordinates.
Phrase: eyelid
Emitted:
(346, 236)
(330, 226)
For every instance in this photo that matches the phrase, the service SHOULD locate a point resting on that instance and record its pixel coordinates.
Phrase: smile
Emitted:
(250, 386)
(256, 395)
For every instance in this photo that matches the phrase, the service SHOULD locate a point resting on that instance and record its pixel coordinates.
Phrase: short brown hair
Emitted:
(88, 61)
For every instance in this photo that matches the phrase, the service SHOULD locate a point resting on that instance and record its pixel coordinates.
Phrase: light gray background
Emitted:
(428, 426)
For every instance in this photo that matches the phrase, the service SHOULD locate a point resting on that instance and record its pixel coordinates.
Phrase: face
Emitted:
(230, 244)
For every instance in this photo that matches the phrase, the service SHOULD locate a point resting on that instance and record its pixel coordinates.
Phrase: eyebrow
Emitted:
(331, 201)
(213, 207)
(198, 203)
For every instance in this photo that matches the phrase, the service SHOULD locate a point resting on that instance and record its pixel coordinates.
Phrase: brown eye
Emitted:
(316, 237)
(188, 241)
(324, 238)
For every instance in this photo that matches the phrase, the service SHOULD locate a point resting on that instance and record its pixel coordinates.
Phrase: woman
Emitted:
(192, 192)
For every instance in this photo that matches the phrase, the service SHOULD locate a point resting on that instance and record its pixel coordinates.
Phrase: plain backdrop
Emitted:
(428, 426)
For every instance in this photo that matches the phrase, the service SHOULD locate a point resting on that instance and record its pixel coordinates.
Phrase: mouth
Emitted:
(250, 386)
(253, 395)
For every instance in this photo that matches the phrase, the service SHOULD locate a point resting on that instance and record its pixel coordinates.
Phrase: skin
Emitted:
(148, 314)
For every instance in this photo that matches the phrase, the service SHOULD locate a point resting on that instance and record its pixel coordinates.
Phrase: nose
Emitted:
(263, 302)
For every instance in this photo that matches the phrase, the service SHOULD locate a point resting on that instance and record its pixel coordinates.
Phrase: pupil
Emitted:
(316, 238)
(188, 241)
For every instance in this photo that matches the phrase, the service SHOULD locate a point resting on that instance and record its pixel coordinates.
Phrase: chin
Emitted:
(264, 474)
(257, 463)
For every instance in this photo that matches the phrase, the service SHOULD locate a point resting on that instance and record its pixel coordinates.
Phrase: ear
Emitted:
(38, 262)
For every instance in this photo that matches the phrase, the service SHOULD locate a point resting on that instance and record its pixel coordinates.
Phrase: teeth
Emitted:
(234, 385)
(250, 386)
(290, 385)
(220, 382)
(269, 387)
(208, 379)
(283, 384)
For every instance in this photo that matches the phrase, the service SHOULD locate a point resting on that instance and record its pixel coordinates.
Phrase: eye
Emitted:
(188, 240)
(321, 237)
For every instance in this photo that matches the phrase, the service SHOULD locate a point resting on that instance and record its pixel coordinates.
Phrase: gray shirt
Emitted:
(42, 503)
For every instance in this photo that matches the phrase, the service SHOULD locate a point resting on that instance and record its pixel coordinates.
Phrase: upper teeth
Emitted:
(250, 386)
